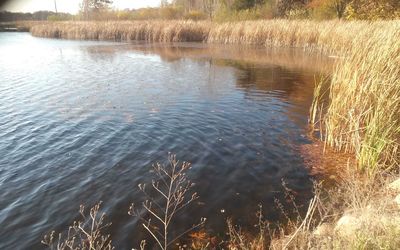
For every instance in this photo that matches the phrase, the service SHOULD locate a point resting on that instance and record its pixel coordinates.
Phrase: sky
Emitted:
(71, 6)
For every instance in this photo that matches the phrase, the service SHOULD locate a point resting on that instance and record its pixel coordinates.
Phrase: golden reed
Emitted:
(328, 35)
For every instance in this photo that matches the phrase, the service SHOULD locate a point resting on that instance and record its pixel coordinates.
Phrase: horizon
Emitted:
(69, 6)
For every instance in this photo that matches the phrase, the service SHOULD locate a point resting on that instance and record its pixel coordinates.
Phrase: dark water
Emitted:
(83, 122)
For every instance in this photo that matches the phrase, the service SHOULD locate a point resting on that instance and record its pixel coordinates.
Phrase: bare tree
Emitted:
(94, 6)
(340, 7)
(284, 6)
(209, 7)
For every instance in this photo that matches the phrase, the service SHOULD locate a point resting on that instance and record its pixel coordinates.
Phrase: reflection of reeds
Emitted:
(287, 58)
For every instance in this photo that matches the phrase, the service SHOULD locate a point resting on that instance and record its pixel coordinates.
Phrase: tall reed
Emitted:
(364, 111)
(152, 31)
(328, 35)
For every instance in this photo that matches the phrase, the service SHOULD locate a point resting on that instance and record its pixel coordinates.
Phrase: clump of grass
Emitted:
(364, 99)
(357, 214)
(239, 240)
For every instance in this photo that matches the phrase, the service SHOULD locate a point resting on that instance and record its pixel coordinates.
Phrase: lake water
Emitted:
(83, 121)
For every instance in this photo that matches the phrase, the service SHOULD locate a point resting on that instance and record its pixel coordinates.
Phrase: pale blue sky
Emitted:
(71, 6)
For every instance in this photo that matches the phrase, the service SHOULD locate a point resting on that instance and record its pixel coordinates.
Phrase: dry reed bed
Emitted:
(364, 101)
(329, 35)
(364, 111)
(152, 31)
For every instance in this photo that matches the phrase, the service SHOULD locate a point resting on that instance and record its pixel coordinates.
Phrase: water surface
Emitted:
(83, 121)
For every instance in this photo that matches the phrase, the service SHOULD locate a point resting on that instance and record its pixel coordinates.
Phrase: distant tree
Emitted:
(338, 6)
(284, 6)
(243, 4)
(89, 7)
(373, 10)
(246, 4)
(209, 7)
(198, 7)
(42, 15)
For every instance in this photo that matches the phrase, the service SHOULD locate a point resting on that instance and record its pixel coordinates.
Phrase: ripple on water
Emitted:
(84, 121)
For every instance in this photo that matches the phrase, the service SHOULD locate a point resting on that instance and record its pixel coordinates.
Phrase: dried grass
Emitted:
(359, 214)
(364, 99)
(307, 34)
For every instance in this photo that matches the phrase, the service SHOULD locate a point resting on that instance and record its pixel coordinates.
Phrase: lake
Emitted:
(83, 121)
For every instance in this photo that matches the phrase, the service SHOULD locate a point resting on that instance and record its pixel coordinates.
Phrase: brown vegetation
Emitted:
(357, 214)
(152, 31)
(364, 99)
(171, 194)
(327, 35)
(86, 235)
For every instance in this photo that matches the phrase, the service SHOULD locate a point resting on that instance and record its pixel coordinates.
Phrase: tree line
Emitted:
(230, 10)
(6, 16)
(320, 9)
(225, 10)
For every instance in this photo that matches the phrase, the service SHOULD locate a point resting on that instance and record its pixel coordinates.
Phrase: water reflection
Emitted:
(83, 121)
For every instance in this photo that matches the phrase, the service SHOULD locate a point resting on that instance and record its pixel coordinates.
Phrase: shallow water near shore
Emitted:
(83, 121)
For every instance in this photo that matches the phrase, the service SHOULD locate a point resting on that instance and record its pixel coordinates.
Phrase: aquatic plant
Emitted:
(171, 194)
(85, 235)
(364, 99)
